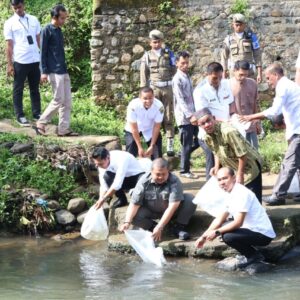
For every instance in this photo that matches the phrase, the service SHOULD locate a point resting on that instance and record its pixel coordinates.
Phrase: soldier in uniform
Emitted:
(157, 70)
(244, 45)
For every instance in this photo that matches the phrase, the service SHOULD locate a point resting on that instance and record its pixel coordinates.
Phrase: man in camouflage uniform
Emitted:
(244, 45)
(231, 150)
(157, 70)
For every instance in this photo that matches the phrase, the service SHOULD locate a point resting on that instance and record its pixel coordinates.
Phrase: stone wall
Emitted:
(120, 30)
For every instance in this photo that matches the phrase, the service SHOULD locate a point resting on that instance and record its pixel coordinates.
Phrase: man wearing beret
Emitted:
(242, 44)
(157, 70)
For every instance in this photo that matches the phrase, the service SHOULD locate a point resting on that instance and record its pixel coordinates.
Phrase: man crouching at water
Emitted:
(250, 226)
(159, 195)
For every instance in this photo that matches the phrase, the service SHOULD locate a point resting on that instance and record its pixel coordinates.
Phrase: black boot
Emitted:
(179, 232)
(120, 202)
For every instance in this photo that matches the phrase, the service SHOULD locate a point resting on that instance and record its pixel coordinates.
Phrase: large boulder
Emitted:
(81, 217)
(64, 217)
(76, 205)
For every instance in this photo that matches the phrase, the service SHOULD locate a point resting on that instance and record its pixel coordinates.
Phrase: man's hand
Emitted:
(124, 226)
(44, 78)
(244, 119)
(149, 151)
(157, 232)
(211, 235)
(200, 242)
(258, 78)
(99, 203)
(10, 70)
(213, 171)
(141, 152)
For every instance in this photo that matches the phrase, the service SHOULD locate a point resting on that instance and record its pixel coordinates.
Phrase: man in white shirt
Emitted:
(22, 35)
(251, 225)
(216, 95)
(144, 117)
(286, 101)
(297, 78)
(118, 171)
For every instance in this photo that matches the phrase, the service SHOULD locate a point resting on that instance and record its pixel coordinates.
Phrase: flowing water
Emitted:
(45, 269)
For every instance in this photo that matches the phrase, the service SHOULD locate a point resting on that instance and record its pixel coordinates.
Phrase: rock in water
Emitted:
(64, 217)
(230, 263)
(76, 205)
(259, 267)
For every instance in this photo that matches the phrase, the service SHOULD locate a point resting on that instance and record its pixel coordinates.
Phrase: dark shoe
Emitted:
(180, 233)
(255, 258)
(120, 203)
(36, 117)
(23, 122)
(39, 130)
(70, 133)
(273, 201)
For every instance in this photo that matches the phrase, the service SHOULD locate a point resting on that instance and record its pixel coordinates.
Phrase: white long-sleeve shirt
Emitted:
(287, 102)
(123, 164)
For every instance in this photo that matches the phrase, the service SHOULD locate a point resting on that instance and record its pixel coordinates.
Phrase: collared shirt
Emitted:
(155, 196)
(17, 29)
(52, 51)
(287, 102)
(229, 145)
(123, 164)
(245, 98)
(145, 118)
(242, 200)
(183, 98)
(217, 100)
(298, 61)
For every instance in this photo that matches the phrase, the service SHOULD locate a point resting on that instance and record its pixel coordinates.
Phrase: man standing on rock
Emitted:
(184, 109)
(245, 93)
(250, 227)
(216, 95)
(22, 35)
(159, 195)
(119, 171)
(144, 117)
(157, 70)
(242, 44)
(287, 102)
(54, 69)
(231, 150)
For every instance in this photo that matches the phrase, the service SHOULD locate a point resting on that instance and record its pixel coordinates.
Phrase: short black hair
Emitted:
(100, 153)
(146, 89)
(16, 2)
(183, 54)
(278, 120)
(214, 67)
(56, 10)
(242, 64)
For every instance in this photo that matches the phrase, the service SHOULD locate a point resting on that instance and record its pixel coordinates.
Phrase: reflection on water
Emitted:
(44, 269)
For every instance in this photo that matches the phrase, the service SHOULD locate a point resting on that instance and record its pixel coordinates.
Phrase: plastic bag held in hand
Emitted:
(94, 226)
(142, 242)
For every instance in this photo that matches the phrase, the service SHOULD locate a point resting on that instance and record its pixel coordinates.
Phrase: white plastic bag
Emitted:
(142, 242)
(240, 126)
(211, 198)
(295, 185)
(94, 226)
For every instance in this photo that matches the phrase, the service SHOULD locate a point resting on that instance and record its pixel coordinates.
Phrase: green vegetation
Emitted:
(241, 7)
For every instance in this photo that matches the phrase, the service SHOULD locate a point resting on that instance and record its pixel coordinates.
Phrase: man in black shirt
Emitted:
(54, 69)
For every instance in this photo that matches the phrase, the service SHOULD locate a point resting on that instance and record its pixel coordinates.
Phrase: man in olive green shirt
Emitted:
(231, 150)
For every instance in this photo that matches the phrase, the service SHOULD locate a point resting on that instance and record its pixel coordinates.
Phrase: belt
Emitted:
(161, 84)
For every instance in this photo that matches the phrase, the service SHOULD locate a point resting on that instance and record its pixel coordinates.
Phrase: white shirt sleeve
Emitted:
(38, 27)
(159, 115)
(278, 102)
(199, 99)
(298, 61)
(131, 114)
(230, 99)
(103, 185)
(120, 174)
(7, 30)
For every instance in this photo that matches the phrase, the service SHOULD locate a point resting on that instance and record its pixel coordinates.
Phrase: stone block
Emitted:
(76, 205)
(22, 148)
(138, 49)
(113, 60)
(81, 216)
(64, 217)
(53, 204)
(126, 58)
(95, 43)
(114, 42)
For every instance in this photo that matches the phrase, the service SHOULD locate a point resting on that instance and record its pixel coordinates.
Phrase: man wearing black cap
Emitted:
(230, 149)
(157, 70)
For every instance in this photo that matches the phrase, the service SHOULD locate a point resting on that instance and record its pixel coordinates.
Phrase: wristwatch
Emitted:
(218, 233)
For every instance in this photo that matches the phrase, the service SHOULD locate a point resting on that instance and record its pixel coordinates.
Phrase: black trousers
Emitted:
(244, 240)
(189, 143)
(128, 183)
(132, 148)
(256, 185)
(32, 73)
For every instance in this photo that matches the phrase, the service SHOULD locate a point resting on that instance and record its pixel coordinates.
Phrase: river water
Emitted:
(45, 269)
